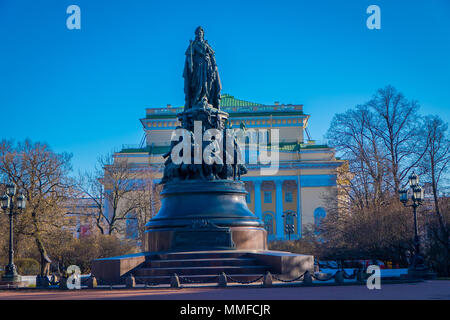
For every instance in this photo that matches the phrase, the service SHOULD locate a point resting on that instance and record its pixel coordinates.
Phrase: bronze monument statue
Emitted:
(203, 204)
(204, 226)
(202, 94)
(201, 76)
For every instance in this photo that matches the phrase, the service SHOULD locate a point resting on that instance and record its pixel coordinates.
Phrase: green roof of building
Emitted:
(236, 114)
(147, 149)
(295, 146)
(235, 107)
(266, 114)
(161, 116)
(283, 146)
(227, 100)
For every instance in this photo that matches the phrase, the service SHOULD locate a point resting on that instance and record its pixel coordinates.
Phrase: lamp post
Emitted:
(12, 208)
(289, 227)
(417, 196)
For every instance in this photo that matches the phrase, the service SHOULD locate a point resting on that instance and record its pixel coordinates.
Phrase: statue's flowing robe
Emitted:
(201, 76)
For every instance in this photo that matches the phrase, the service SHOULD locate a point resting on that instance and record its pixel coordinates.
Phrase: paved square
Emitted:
(428, 290)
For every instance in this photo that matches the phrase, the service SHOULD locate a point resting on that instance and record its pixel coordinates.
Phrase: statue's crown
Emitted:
(199, 28)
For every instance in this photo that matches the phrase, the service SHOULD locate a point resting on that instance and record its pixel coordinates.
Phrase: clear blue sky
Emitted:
(83, 91)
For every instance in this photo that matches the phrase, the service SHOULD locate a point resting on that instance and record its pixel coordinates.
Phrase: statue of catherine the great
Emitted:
(201, 77)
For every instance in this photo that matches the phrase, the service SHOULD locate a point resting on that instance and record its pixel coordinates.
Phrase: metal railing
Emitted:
(131, 281)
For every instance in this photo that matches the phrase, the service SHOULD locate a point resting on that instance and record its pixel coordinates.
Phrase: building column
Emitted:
(279, 208)
(299, 208)
(257, 193)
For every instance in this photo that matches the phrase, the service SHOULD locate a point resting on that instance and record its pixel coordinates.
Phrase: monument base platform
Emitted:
(4, 284)
(198, 215)
(201, 266)
(421, 274)
(190, 239)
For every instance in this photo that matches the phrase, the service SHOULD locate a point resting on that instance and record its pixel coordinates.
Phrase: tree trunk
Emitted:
(39, 244)
(42, 252)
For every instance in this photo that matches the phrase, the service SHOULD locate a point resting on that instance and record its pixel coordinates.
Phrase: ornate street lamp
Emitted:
(413, 180)
(9, 205)
(289, 227)
(417, 197)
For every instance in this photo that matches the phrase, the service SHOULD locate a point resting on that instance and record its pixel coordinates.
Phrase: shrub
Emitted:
(81, 252)
(27, 266)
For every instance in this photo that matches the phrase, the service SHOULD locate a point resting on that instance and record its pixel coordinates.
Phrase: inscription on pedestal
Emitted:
(202, 239)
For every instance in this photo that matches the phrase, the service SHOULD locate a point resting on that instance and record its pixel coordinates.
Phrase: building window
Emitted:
(267, 197)
(288, 196)
(319, 214)
(268, 223)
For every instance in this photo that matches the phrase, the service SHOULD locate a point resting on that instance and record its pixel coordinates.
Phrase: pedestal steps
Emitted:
(201, 262)
(188, 279)
(202, 266)
(210, 270)
(200, 255)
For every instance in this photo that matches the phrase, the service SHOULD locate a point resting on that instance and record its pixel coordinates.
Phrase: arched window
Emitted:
(268, 223)
(319, 214)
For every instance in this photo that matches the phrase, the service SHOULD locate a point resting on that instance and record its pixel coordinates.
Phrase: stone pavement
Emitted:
(431, 289)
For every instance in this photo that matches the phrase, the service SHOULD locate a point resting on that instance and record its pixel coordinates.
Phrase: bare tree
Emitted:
(398, 126)
(354, 137)
(379, 139)
(90, 187)
(380, 142)
(119, 181)
(435, 165)
(42, 176)
(147, 201)
(120, 191)
(436, 160)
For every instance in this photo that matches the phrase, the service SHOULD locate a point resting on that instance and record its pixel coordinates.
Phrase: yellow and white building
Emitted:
(306, 175)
